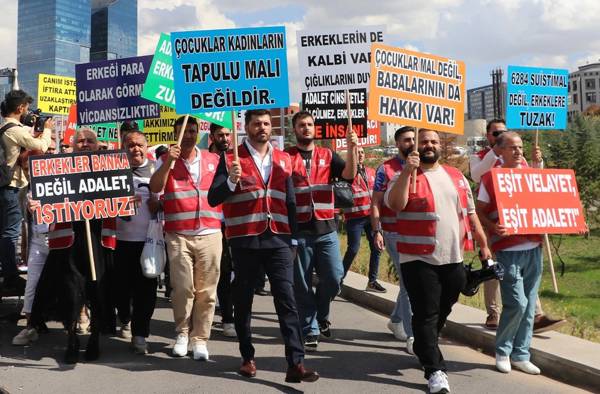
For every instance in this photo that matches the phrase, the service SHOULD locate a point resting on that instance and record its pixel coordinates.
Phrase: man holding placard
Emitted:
(260, 220)
(434, 228)
(314, 167)
(521, 257)
(193, 237)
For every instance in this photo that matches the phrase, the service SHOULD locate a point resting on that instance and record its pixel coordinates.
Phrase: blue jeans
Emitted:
(10, 229)
(319, 253)
(402, 311)
(522, 276)
(354, 228)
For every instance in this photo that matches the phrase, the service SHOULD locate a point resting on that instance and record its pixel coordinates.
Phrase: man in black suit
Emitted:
(258, 200)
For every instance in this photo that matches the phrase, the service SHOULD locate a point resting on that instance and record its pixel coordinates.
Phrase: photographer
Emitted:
(14, 137)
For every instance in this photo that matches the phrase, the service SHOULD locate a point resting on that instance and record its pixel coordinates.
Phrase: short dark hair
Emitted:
(300, 115)
(12, 100)
(129, 125)
(402, 130)
(130, 133)
(255, 112)
(493, 121)
(213, 128)
(179, 122)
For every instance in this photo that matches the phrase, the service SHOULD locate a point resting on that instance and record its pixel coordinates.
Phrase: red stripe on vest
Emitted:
(61, 235)
(361, 193)
(388, 216)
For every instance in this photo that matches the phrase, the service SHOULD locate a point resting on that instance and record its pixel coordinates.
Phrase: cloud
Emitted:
(8, 35)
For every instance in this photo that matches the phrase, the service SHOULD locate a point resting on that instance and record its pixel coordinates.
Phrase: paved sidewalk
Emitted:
(361, 357)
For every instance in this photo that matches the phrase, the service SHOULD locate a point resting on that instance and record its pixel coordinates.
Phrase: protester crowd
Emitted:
(230, 219)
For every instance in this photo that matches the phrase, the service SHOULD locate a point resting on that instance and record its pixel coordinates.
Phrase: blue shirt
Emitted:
(381, 179)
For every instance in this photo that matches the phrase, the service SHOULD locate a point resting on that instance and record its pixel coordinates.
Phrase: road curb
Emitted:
(563, 357)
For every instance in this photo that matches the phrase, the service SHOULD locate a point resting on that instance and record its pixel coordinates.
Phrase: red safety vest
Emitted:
(497, 242)
(255, 207)
(387, 216)
(61, 235)
(314, 194)
(185, 201)
(417, 223)
(361, 193)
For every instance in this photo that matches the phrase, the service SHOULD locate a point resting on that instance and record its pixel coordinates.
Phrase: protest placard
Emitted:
(55, 94)
(538, 201)
(417, 89)
(105, 131)
(71, 125)
(331, 115)
(536, 98)
(81, 186)
(160, 130)
(230, 69)
(109, 91)
(373, 137)
(336, 59)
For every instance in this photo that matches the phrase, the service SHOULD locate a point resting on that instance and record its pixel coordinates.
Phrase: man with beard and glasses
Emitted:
(314, 167)
(434, 228)
(220, 141)
(481, 163)
(383, 221)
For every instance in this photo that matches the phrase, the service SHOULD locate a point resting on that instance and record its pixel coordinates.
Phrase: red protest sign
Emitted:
(71, 125)
(537, 201)
(373, 137)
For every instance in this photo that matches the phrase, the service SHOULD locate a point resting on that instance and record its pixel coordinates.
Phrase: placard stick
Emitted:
(88, 237)
(234, 135)
(118, 137)
(547, 243)
(348, 109)
(180, 137)
(413, 184)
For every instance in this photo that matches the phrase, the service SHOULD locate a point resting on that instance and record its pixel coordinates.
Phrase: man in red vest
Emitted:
(314, 167)
(481, 163)
(256, 191)
(383, 222)
(65, 283)
(521, 257)
(358, 220)
(192, 236)
(433, 228)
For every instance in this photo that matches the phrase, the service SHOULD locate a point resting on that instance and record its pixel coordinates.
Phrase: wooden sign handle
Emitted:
(234, 136)
(180, 137)
(88, 237)
(413, 184)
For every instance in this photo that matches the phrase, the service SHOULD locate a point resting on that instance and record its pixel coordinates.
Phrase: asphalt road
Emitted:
(361, 357)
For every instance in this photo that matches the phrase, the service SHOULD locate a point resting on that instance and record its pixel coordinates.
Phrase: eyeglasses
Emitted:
(497, 132)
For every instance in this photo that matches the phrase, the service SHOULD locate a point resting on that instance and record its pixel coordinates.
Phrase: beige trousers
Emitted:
(194, 267)
(491, 294)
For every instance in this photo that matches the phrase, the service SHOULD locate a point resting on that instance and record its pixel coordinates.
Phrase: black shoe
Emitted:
(13, 286)
(375, 287)
(261, 292)
(324, 328)
(311, 342)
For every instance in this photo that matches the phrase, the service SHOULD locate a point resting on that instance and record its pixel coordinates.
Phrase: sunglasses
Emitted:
(497, 133)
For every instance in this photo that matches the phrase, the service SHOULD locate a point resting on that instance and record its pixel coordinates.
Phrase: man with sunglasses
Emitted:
(480, 163)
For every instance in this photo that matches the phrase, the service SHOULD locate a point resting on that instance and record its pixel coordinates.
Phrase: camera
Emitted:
(35, 119)
(490, 269)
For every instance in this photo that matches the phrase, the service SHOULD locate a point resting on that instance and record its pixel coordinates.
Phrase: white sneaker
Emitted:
(25, 337)
(503, 363)
(438, 383)
(410, 343)
(139, 345)
(200, 351)
(180, 348)
(398, 330)
(527, 367)
(229, 330)
(125, 332)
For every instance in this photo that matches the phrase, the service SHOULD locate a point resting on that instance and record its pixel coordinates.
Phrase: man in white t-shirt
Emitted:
(136, 294)
(521, 257)
(433, 227)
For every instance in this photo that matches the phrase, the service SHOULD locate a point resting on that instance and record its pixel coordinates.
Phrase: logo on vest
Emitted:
(321, 162)
(211, 167)
(282, 163)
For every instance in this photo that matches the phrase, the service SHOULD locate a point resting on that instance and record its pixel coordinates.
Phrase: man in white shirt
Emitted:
(193, 237)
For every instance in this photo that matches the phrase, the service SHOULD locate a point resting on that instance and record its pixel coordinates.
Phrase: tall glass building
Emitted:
(114, 29)
(52, 36)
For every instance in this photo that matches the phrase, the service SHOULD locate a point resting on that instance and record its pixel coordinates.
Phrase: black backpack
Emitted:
(6, 172)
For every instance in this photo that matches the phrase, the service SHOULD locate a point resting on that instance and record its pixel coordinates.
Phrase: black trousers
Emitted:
(136, 294)
(224, 287)
(278, 265)
(432, 290)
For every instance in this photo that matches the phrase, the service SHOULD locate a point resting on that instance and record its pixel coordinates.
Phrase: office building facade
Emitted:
(480, 102)
(114, 29)
(584, 88)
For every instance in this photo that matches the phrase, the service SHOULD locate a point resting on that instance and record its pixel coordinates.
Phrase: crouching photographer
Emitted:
(521, 258)
(15, 136)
